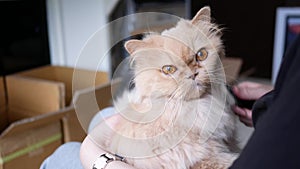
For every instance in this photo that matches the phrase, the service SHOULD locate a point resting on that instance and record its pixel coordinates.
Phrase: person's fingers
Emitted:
(245, 115)
(246, 121)
(242, 112)
(248, 84)
(238, 110)
(250, 90)
(246, 93)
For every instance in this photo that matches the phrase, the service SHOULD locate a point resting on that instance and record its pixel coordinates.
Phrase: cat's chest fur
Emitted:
(183, 133)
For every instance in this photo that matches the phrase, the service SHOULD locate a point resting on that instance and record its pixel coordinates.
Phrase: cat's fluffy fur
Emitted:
(172, 120)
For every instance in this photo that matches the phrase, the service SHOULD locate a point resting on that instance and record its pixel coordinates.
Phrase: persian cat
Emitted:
(178, 114)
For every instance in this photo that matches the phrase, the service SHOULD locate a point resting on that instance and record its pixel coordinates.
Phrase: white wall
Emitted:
(70, 24)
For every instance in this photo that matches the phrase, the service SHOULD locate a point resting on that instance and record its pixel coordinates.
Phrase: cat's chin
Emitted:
(190, 95)
(197, 93)
(193, 95)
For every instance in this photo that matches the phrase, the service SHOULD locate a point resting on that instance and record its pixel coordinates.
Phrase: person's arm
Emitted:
(248, 91)
(89, 151)
(275, 141)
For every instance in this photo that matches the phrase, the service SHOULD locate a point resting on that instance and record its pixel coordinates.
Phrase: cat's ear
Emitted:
(132, 45)
(203, 15)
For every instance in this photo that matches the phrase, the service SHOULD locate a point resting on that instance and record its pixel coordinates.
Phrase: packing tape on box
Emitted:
(28, 149)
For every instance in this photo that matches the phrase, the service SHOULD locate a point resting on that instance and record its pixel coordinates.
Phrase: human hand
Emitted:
(90, 149)
(248, 91)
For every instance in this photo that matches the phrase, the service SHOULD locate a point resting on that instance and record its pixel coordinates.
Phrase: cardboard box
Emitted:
(36, 112)
(87, 103)
(46, 89)
(90, 101)
(49, 89)
(26, 143)
(2, 104)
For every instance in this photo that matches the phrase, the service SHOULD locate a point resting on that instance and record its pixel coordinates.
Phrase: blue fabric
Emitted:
(65, 157)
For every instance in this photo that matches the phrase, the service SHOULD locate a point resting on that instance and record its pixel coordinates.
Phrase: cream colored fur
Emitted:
(173, 121)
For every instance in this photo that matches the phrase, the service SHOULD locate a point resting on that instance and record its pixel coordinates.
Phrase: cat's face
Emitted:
(179, 63)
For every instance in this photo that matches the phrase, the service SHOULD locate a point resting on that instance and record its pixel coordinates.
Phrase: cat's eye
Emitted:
(168, 69)
(201, 54)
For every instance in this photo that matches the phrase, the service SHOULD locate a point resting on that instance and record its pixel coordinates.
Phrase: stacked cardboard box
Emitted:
(36, 113)
(30, 138)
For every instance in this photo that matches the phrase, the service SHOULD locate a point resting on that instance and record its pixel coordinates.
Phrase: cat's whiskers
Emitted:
(218, 77)
(216, 72)
(218, 81)
(176, 91)
(178, 101)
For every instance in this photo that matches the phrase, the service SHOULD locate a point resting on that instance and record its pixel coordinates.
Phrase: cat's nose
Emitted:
(193, 76)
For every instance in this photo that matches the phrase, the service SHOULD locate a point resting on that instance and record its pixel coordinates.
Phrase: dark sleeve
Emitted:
(275, 143)
(261, 106)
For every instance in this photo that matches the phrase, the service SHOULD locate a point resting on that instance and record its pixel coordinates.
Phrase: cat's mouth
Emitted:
(196, 91)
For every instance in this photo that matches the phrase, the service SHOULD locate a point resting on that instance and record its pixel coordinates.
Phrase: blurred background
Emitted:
(41, 32)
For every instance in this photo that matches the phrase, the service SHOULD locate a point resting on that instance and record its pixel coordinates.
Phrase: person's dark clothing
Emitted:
(275, 143)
